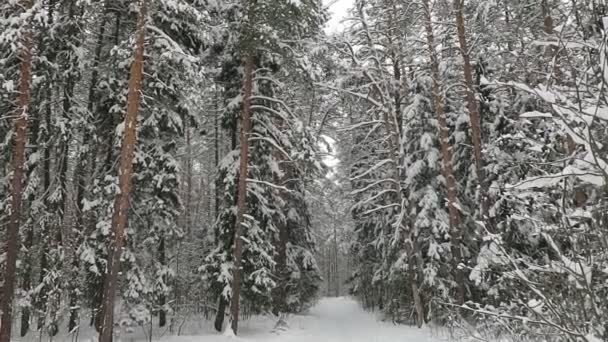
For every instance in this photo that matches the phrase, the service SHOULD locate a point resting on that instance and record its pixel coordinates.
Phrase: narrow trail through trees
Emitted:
(338, 319)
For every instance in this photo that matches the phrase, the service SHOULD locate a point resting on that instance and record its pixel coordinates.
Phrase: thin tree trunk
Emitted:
(282, 273)
(27, 281)
(551, 51)
(242, 193)
(109, 125)
(222, 303)
(188, 211)
(21, 121)
(221, 312)
(474, 116)
(41, 296)
(280, 291)
(508, 25)
(216, 149)
(446, 154)
(29, 241)
(162, 300)
(187, 218)
(336, 264)
(329, 268)
(60, 208)
(580, 197)
(86, 165)
(121, 202)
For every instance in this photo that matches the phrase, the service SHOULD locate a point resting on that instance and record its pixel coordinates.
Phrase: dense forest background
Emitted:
(443, 161)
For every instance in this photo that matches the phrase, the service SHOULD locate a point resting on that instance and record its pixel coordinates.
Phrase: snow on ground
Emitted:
(331, 320)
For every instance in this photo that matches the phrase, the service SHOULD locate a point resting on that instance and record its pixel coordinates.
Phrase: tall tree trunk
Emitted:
(188, 210)
(336, 262)
(216, 148)
(121, 202)
(41, 298)
(86, 165)
(162, 299)
(279, 293)
(411, 243)
(446, 155)
(474, 116)
(329, 257)
(222, 303)
(221, 312)
(46, 175)
(60, 208)
(508, 25)
(21, 121)
(110, 122)
(29, 240)
(27, 281)
(242, 193)
(551, 51)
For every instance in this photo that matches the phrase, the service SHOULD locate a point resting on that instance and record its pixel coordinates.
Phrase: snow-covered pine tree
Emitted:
(24, 45)
(277, 131)
(173, 40)
(154, 229)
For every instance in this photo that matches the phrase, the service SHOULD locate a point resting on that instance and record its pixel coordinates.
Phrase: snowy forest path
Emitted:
(342, 319)
(331, 320)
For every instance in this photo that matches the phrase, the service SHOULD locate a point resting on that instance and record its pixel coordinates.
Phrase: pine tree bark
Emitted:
(20, 123)
(474, 116)
(242, 193)
(121, 202)
(446, 155)
(551, 51)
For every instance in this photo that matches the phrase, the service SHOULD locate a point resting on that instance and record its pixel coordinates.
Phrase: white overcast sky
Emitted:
(337, 10)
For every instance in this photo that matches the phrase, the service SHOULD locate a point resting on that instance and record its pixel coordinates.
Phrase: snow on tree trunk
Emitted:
(241, 204)
(473, 108)
(446, 155)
